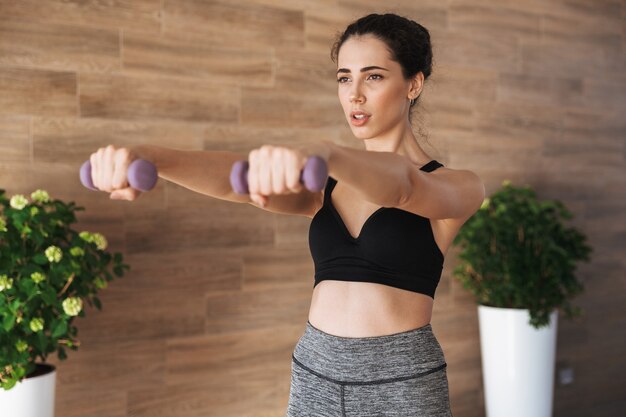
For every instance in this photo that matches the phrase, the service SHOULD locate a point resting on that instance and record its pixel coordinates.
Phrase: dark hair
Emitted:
(408, 42)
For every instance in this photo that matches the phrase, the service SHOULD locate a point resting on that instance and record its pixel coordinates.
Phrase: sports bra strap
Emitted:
(431, 166)
(330, 184)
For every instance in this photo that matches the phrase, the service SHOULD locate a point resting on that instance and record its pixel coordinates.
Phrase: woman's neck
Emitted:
(400, 140)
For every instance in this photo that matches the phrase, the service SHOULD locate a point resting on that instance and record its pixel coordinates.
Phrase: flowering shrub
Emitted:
(518, 253)
(47, 270)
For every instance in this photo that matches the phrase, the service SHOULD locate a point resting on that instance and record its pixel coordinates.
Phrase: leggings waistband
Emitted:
(346, 360)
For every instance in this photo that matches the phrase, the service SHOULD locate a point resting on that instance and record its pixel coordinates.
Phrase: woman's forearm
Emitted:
(379, 177)
(206, 172)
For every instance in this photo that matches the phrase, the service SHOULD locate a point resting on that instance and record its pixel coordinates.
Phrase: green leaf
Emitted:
(40, 258)
(41, 341)
(28, 286)
(49, 296)
(24, 369)
(8, 322)
(9, 384)
(61, 353)
(60, 329)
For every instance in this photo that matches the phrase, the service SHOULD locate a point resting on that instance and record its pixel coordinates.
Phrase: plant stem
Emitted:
(67, 342)
(67, 284)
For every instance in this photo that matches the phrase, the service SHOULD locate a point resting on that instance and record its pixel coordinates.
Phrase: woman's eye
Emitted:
(380, 77)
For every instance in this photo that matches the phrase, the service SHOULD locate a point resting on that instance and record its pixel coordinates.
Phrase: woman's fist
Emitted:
(277, 169)
(108, 172)
(274, 170)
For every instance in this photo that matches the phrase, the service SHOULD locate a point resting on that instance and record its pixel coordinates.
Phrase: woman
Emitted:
(378, 244)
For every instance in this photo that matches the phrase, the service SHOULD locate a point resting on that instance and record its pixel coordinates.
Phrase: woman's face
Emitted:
(368, 80)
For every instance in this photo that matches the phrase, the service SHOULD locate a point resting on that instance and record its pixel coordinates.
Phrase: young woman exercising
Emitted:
(378, 244)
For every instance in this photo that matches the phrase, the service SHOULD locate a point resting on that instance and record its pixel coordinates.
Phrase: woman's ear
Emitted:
(417, 83)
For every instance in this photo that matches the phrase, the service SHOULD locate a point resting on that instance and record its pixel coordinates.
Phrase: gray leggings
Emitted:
(401, 374)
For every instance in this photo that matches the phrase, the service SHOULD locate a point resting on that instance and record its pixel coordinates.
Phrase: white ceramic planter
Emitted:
(32, 397)
(517, 362)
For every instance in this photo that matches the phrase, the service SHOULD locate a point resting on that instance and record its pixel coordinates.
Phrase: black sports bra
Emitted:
(395, 247)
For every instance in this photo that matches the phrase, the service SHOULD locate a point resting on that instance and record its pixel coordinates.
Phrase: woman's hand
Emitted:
(276, 169)
(108, 172)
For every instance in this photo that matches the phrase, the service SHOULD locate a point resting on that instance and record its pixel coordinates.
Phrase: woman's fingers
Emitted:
(256, 173)
(278, 160)
(253, 175)
(265, 170)
(127, 193)
(109, 169)
(95, 164)
(121, 162)
(292, 173)
(273, 170)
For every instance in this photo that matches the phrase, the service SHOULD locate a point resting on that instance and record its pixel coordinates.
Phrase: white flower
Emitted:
(40, 196)
(18, 201)
(21, 345)
(37, 277)
(96, 238)
(100, 241)
(76, 251)
(72, 306)
(36, 324)
(5, 282)
(54, 254)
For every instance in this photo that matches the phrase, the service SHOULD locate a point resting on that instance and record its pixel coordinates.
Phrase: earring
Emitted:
(413, 101)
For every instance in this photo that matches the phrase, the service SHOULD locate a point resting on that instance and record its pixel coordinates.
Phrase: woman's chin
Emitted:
(361, 133)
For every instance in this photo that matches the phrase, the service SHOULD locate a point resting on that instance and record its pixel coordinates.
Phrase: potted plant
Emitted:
(518, 259)
(47, 270)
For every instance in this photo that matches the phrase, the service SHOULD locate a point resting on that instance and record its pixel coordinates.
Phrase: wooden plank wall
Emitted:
(218, 295)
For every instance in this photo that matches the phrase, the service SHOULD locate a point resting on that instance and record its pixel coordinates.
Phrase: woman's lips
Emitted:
(359, 121)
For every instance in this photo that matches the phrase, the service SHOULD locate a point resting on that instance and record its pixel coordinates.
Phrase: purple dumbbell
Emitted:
(313, 175)
(142, 175)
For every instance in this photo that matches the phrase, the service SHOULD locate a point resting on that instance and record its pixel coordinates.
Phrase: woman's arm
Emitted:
(391, 180)
(379, 177)
(208, 172)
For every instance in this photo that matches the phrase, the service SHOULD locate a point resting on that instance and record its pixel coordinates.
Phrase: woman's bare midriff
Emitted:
(364, 309)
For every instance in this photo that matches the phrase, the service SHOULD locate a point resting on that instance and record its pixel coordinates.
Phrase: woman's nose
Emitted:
(355, 92)
(356, 95)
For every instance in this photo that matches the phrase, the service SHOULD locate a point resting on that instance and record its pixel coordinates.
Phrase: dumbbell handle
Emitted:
(142, 175)
(313, 175)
